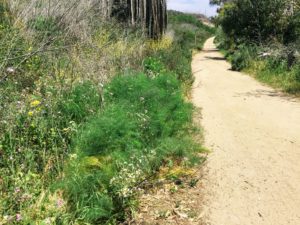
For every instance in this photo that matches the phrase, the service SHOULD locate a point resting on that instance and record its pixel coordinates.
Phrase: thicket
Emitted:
(264, 40)
(88, 111)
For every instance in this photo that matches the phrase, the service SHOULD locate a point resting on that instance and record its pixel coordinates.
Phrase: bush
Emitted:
(182, 18)
(5, 15)
(242, 57)
(115, 128)
(47, 28)
(153, 66)
(297, 73)
(261, 23)
(81, 102)
(145, 121)
(292, 31)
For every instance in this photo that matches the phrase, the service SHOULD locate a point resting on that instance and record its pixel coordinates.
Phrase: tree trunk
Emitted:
(151, 15)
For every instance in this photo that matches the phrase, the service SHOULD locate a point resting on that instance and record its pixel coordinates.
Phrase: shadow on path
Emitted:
(272, 93)
(215, 58)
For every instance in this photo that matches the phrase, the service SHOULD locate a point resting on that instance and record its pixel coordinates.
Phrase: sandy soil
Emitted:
(253, 173)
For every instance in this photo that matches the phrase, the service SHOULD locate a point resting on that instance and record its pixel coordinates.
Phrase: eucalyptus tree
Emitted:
(150, 14)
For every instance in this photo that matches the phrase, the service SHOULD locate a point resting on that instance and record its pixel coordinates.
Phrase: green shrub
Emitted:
(292, 31)
(82, 101)
(145, 121)
(5, 15)
(115, 128)
(261, 23)
(190, 34)
(242, 57)
(45, 28)
(178, 61)
(182, 18)
(86, 190)
(46, 25)
(153, 66)
(149, 95)
(277, 64)
(297, 73)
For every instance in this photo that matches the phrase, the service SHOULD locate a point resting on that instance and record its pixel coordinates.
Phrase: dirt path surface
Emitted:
(253, 173)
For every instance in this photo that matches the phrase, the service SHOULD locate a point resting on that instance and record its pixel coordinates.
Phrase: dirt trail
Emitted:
(253, 174)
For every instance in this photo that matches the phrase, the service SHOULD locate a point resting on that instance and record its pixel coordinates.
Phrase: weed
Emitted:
(193, 183)
(242, 57)
(83, 100)
(124, 144)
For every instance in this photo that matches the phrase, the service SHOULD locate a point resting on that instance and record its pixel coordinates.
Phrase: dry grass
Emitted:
(74, 15)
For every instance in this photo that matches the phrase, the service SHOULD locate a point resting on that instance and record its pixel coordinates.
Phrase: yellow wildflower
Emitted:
(61, 73)
(35, 103)
(92, 162)
(66, 130)
(30, 113)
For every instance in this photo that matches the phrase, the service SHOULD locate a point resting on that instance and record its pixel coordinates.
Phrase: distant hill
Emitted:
(204, 19)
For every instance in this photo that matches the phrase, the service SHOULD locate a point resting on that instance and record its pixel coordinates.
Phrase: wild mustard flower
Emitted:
(162, 44)
(73, 156)
(66, 130)
(35, 103)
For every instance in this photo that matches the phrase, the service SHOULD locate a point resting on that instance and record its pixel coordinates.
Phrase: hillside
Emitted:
(89, 110)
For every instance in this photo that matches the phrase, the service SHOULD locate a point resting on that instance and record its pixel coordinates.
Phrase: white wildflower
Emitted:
(10, 70)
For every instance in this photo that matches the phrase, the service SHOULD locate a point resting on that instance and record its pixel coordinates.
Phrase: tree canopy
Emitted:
(260, 20)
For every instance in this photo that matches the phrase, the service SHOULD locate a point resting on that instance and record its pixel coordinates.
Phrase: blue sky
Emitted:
(194, 6)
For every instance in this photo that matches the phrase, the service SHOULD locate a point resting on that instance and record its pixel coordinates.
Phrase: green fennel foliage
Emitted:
(144, 119)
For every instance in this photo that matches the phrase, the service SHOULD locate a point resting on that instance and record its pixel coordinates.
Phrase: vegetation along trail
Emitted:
(253, 172)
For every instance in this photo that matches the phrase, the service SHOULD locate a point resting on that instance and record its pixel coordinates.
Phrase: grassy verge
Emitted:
(77, 140)
(269, 64)
(278, 77)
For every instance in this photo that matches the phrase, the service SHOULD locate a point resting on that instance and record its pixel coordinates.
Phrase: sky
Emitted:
(193, 6)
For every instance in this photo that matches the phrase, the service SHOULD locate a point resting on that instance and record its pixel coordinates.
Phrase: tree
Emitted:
(254, 20)
(219, 2)
(150, 14)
